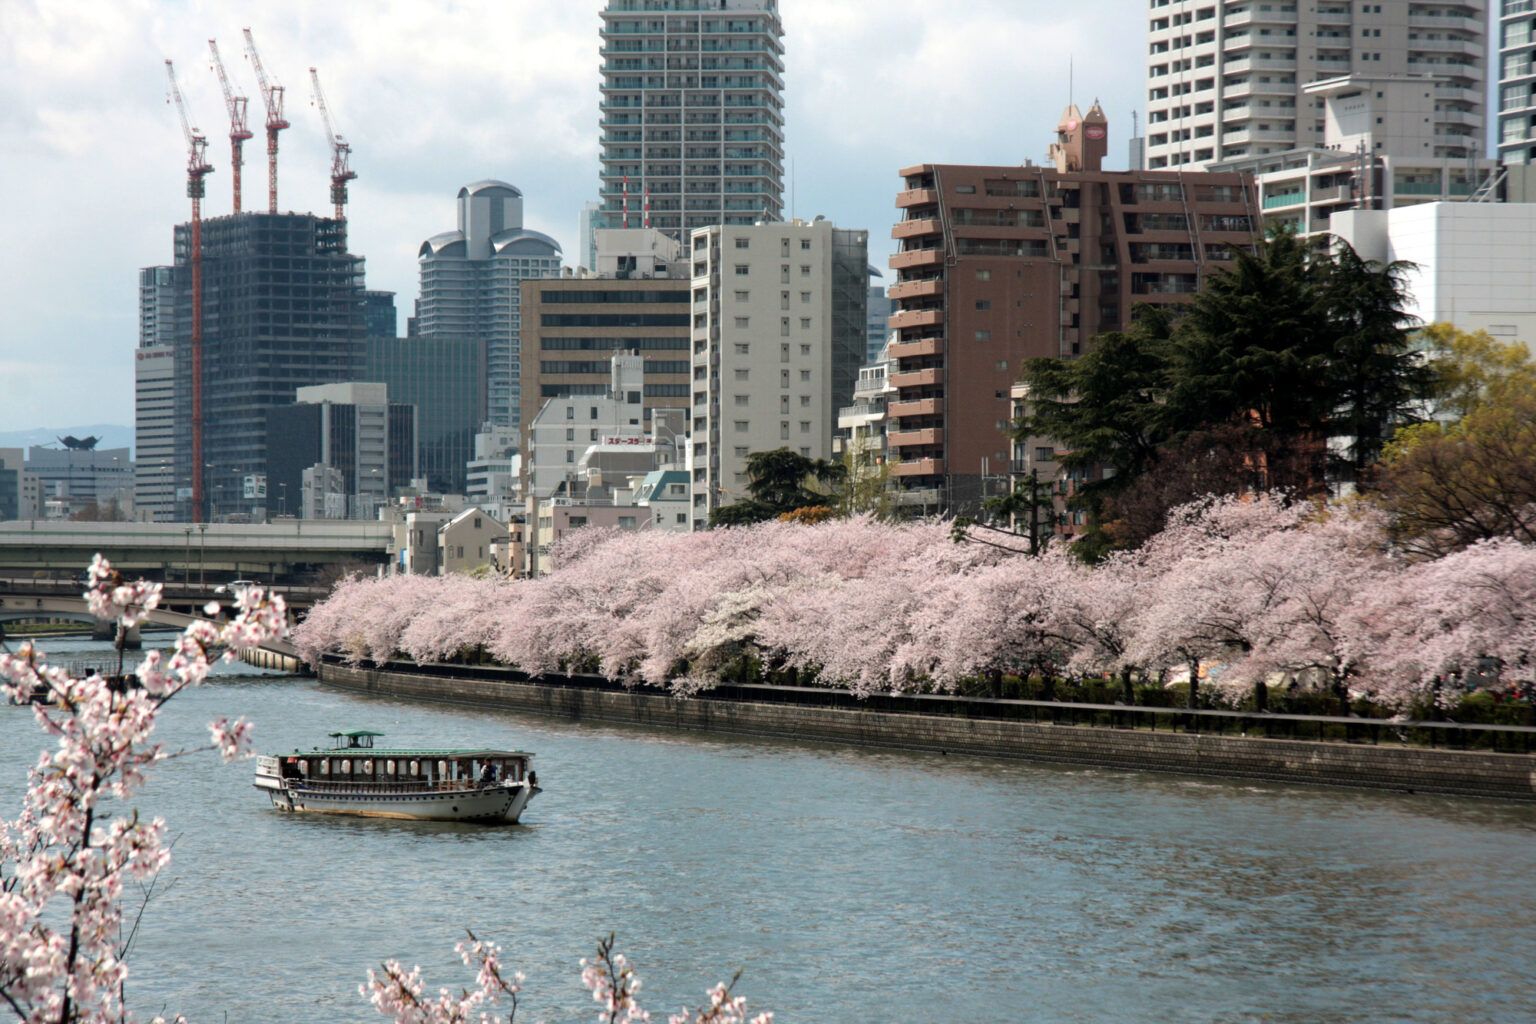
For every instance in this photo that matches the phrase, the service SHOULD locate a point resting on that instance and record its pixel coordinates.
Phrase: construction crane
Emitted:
(197, 169)
(238, 131)
(341, 153)
(272, 96)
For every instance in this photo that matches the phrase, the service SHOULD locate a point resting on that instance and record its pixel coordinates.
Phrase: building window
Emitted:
(743, 296)
(570, 433)
(570, 412)
(982, 305)
(983, 335)
(741, 348)
(805, 426)
(741, 243)
(741, 322)
(805, 375)
(805, 296)
(983, 275)
(783, 430)
(805, 350)
(784, 246)
(741, 374)
(805, 270)
(805, 401)
(594, 413)
(741, 270)
(784, 352)
(783, 378)
(570, 455)
(741, 426)
(805, 243)
(784, 405)
(805, 323)
(783, 300)
(741, 399)
(783, 326)
(592, 436)
(626, 522)
(742, 451)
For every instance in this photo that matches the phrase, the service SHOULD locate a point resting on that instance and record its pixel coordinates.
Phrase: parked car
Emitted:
(236, 588)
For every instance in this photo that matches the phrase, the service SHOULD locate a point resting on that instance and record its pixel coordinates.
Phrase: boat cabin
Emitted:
(355, 762)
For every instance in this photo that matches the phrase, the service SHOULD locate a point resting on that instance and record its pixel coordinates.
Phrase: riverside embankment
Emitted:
(1177, 742)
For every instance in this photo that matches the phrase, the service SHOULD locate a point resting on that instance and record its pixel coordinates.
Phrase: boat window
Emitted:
(442, 769)
(415, 768)
(389, 767)
(325, 767)
(367, 767)
(346, 767)
(303, 767)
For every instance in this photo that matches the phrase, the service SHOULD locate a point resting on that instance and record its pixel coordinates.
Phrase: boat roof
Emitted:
(376, 752)
(354, 733)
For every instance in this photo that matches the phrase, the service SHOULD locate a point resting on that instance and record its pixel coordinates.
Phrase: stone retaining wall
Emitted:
(1405, 769)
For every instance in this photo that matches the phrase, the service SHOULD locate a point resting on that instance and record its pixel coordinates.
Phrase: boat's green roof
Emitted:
(354, 733)
(367, 752)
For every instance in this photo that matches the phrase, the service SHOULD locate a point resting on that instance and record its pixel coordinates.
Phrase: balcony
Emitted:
(917, 258)
(917, 378)
(915, 438)
(915, 228)
(921, 347)
(916, 318)
(918, 407)
(915, 289)
(917, 197)
(918, 467)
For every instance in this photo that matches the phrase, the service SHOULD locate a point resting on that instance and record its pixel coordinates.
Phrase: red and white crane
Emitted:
(341, 152)
(238, 130)
(197, 169)
(272, 96)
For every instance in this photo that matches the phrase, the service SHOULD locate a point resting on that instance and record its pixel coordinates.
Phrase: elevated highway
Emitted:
(294, 550)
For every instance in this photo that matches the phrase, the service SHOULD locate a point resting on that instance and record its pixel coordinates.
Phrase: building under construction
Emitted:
(282, 309)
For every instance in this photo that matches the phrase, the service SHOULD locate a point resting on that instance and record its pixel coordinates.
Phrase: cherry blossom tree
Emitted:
(64, 860)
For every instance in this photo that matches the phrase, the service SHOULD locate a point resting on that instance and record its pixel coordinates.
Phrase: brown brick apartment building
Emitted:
(1002, 264)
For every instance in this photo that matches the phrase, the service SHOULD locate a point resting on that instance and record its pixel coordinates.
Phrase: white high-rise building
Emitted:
(692, 113)
(778, 339)
(1226, 79)
(154, 397)
(471, 286)
(1517, 82)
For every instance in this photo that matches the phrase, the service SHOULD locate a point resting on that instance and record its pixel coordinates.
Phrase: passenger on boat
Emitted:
(488, 775)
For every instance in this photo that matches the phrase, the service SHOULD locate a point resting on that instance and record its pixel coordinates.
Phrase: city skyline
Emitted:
(428, 106)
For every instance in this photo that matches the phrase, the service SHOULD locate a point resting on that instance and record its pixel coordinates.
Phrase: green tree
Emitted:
(779, 481)
(1464, 368)
(864, 487)
(1450, 485)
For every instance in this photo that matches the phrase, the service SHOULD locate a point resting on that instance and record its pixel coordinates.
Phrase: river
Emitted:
(848, 885)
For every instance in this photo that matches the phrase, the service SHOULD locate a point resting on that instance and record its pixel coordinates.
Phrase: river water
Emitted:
(848, 885)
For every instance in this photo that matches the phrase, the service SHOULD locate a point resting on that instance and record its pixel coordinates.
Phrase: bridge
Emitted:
(27, 600)
(197, 554)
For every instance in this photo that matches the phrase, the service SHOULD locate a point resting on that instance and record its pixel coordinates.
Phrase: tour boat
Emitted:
(355, 777)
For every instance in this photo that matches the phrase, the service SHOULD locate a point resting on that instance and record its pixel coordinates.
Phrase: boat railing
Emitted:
(411, 787)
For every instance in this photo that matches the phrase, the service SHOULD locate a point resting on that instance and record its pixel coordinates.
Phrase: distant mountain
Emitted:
(113, 435)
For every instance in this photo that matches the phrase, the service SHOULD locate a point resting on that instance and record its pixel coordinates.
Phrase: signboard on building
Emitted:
(256, 486)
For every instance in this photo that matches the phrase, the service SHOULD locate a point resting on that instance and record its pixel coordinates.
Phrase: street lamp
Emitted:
(282, 499)
(202, 551)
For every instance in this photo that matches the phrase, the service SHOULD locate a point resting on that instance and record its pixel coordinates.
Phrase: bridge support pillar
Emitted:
(106, 629)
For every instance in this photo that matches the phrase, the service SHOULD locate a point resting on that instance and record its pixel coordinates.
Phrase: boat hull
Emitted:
(492, 805)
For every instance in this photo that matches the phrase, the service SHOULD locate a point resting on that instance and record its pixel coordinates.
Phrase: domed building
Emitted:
(470, 285)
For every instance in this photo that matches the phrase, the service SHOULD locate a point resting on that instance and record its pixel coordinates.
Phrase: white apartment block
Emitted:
(154, 429)
(774, 351)
(1517, 82)
(1227, 79)
(691, 113)
(1474, 265)
(565, 428)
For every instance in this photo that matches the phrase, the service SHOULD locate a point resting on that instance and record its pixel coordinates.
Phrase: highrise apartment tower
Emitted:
(1225, 78)
(692, 116)
(1517, 82)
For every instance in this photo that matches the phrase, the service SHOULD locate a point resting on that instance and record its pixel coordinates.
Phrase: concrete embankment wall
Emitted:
(1404, 769)
(263, 658)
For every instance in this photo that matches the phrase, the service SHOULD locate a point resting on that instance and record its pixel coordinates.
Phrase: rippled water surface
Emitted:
(850, 885)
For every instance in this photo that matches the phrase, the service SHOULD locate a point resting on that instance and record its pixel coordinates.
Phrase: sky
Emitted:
(434, 94)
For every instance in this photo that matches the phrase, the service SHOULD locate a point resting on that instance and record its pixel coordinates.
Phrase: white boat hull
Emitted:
(495, 804)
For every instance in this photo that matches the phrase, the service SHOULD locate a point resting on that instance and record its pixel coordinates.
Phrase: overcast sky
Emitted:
(433, 94)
